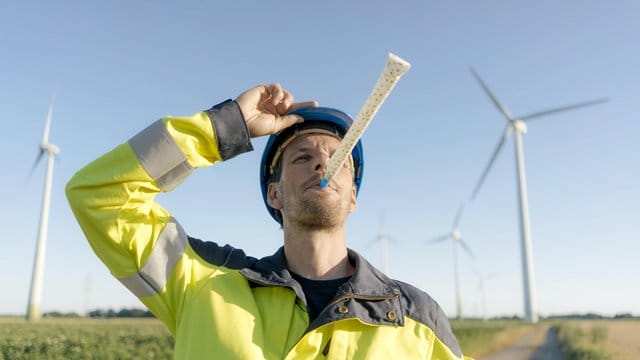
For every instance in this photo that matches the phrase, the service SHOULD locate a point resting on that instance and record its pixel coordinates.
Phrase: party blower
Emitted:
(392, 72)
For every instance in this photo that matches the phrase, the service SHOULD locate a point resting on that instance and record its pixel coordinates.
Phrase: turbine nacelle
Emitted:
(50, 148)
(519, 126)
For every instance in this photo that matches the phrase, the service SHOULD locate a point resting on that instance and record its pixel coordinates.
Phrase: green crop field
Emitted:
(84, 339)
(147, 338)
(479, 338)
(80, 338)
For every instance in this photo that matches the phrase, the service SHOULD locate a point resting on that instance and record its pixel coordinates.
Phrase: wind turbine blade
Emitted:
(392, 240)
(35, 164)
(456, 221)
(47, 126)
(372, 242)
(467, 249)
(563, 108)
(491, 161)
(497, 103)
(439, 239)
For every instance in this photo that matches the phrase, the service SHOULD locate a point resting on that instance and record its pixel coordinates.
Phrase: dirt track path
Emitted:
(529, 347)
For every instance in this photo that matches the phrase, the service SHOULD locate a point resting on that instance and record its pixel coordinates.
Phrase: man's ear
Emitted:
(354, 201)
(273, 196)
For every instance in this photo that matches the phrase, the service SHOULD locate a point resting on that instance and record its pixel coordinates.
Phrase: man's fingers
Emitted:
(302, 104)
(265, 108)
(288, 98)
(277, 94)
(288, 120)
(280, 101)
(283, 107)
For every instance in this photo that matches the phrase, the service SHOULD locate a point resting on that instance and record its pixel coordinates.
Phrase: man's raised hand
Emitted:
(264, 108)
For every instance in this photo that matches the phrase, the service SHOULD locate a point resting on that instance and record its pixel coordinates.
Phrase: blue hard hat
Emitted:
(314, 117)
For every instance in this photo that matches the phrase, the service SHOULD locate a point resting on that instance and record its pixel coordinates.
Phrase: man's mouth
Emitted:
(314, 183)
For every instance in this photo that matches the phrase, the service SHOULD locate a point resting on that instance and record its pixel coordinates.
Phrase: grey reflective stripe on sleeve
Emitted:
(160, 156)
(152, 278)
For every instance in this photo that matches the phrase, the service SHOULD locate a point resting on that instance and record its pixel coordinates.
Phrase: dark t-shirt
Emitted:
(318, 292)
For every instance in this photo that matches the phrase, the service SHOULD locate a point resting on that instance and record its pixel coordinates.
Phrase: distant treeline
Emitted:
(100, 313)
(585, 316)
(591, 316)
(140, 313)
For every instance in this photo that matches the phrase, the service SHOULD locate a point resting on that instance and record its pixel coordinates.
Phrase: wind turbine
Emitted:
(35, 293)
(517, 125)
(383, 238)
(456, 237)
(481, 288)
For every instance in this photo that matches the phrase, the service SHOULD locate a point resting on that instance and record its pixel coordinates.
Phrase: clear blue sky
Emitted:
(117, 66)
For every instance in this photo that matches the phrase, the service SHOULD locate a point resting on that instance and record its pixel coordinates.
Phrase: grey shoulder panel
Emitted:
(226, 256)
(420, 306)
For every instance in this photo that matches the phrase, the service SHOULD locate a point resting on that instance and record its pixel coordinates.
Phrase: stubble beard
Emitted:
(315, 214)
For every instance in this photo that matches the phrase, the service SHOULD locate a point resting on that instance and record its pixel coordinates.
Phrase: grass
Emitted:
(623, 341)
(84, 339)
(81, 338)
(600, 339)
(580, 344)
(479, 338)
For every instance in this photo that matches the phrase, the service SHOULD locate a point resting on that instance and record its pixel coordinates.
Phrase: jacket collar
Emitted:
(366, 280)
(368, 295)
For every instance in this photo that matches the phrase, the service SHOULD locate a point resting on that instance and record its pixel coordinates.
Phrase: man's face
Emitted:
(298, 195)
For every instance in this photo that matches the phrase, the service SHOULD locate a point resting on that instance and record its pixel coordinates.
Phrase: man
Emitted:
(313, 298)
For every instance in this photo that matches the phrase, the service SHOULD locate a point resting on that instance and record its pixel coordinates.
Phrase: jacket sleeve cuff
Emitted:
(232, 135)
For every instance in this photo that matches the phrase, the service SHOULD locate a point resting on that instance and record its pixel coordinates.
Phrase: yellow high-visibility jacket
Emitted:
(216, 301)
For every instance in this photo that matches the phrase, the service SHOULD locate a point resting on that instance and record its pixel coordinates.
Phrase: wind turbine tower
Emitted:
(456, 237)
(383, 238)
(483, 295)
(35, 293)
(517, 125)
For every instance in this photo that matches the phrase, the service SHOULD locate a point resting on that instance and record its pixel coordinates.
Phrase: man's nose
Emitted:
(320, 164)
